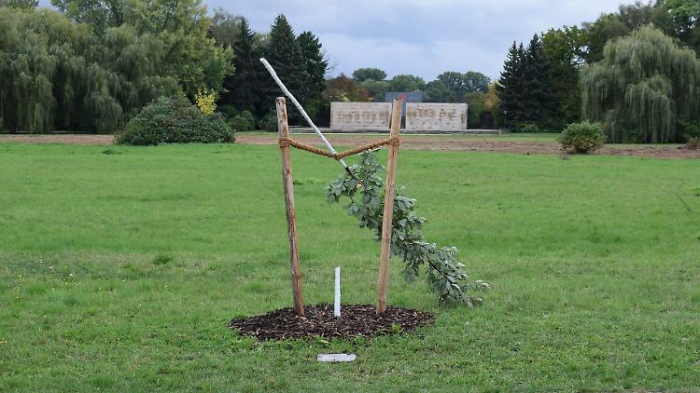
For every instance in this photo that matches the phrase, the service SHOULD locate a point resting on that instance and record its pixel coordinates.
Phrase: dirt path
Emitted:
(498, 144)
(68, 139)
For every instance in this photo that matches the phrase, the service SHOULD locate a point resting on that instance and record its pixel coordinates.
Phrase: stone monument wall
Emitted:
(360, 116)
(436, 117)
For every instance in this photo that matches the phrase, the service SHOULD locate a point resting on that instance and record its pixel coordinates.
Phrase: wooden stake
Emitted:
(388, 207)
(283, 128)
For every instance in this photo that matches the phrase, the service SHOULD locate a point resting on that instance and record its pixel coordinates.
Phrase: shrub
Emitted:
(228, 111)
(244, 121)
(693, 144)
(268, 122)
(691, 133)
(206, 102)
(690, 129)
(582, 137)
(530, 129)
(174, 120)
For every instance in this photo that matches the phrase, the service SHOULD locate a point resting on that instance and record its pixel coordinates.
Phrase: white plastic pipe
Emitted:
(299, 107)
(336, 357)
(336, 305)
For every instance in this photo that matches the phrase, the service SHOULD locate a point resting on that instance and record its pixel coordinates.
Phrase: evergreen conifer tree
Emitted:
(315, 61)
(509, 87)
(539, 102)
(285, 56)
(316, 67)
(243, 88)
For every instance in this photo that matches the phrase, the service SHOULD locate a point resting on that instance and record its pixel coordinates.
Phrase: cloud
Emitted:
(421, 37)
(407, 57)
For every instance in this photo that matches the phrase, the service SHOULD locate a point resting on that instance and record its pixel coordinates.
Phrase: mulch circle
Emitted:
(354, 321)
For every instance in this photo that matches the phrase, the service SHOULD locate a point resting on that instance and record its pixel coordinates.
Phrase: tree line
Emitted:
(92, 66)
(371, 84)
(635, 70)
(301, 63)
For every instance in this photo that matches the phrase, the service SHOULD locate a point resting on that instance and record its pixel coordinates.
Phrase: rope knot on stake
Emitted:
(284, 142)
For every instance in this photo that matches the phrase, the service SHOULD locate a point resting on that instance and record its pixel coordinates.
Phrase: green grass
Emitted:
(118, 272)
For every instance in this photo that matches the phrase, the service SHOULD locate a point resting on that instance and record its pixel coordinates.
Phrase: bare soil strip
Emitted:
(413, 142)
(66, 139)
(487, 144)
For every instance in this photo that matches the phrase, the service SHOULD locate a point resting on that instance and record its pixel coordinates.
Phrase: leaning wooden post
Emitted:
(389, 206)
(283, 128)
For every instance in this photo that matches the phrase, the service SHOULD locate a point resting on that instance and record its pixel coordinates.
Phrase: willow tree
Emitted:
(181, 28)
(58, 74)
(30, 58)
(640, 89)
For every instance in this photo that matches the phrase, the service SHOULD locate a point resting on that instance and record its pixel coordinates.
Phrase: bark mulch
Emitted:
(354, 321)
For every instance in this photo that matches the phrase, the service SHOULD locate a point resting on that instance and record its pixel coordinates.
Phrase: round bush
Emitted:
(693, 144)
(243, 121)
(582, 137)
(174, 120)
(530, 129)
(268, 122)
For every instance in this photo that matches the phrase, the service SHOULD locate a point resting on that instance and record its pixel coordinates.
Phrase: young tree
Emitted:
(643, 85)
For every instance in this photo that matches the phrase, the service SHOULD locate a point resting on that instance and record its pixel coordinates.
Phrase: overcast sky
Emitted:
(420, 37)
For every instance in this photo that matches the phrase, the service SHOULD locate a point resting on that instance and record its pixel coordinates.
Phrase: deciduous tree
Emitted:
(437, 91)
(344, 89)
(564, 49)
(362, 74)
(406, 83)
(643, 85)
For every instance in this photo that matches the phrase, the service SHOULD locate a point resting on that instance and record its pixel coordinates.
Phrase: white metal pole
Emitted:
(299, 107)
(336, 306)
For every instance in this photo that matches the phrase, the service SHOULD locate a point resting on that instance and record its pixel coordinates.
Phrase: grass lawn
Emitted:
(119, 272)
